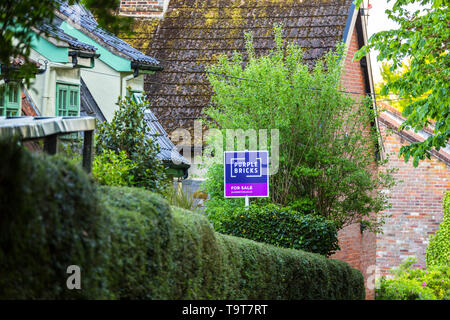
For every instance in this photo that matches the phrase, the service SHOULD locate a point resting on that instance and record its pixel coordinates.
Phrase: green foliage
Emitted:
(281, 227)
(327, 146)
(113, 169)
(391, 76)
(50, 218)
(438, 251)
(129, 132)
(422, 37)
(415, 283)
(214, 186)
(161, 254)
(403, 289)
(179, 198)
(131, 245)
(18, 18)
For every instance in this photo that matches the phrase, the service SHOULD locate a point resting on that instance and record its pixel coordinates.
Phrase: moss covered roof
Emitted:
(194, 32)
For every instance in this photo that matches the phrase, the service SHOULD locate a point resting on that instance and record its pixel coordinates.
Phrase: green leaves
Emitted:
(129, 135)
(423, 38)
(281, 227)
(113, 169)
(438, 251)
(326, 142)
(410, 283)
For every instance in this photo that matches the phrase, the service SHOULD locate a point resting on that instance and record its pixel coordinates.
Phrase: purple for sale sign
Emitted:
(246, 174)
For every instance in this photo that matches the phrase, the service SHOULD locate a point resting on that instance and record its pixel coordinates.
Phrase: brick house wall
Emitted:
(416, 201)
(357, 248)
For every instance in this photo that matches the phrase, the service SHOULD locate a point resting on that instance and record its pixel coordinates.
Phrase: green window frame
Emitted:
(67, 100)
(136, 95)
(10, 99)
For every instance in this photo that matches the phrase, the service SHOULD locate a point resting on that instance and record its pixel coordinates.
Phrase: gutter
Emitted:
(145, 67)
(139, 68)
(83, 54)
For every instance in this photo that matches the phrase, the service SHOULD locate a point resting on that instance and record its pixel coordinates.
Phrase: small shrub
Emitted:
(282, 227)
(410, 283)
(403, 289)
(113, 169)
(129, 132)
(178, 198)
(438, 251)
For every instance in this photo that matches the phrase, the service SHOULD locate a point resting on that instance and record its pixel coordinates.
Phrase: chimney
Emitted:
(141, 8)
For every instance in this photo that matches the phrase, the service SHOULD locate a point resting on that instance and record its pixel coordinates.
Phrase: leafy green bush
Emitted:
(438, 251)
(410, 283)
(282, 227)
(129, 132)
(403, 289)
(50, 218)
(214, 186)
(328, 143)
(161, 254)
(113, 169)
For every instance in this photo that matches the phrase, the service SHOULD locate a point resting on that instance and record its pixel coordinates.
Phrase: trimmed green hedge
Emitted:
(131, 245)
(192, 261)
(278, 226)
(50, 218)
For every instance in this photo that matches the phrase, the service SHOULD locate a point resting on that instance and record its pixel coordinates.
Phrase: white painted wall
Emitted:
(42, 89)
(107, 84)
(104, 83)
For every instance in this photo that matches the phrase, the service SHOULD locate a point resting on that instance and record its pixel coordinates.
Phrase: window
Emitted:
(67, 100)
(10, 99)
(137, 96)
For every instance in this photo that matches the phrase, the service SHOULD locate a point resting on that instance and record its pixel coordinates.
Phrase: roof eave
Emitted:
(146, 66)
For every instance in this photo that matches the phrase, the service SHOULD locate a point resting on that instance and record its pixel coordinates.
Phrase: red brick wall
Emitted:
(416, 205)
(353, 76)
(357, 249)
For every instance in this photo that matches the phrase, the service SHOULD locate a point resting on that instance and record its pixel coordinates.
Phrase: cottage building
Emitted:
(186, 35)
(86, 70)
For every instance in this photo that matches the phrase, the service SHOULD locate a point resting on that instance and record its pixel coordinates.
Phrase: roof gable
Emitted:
(78, 16)
(54, 30)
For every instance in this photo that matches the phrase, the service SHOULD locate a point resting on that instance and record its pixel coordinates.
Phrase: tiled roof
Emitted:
(194, 32)
(167, 150)
(28, 106)
(79, 15)
(53, 30)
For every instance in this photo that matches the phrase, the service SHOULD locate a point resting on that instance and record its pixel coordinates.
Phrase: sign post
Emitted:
(246, 174)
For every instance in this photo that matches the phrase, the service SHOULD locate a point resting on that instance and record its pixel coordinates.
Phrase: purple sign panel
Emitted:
(246, 174)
